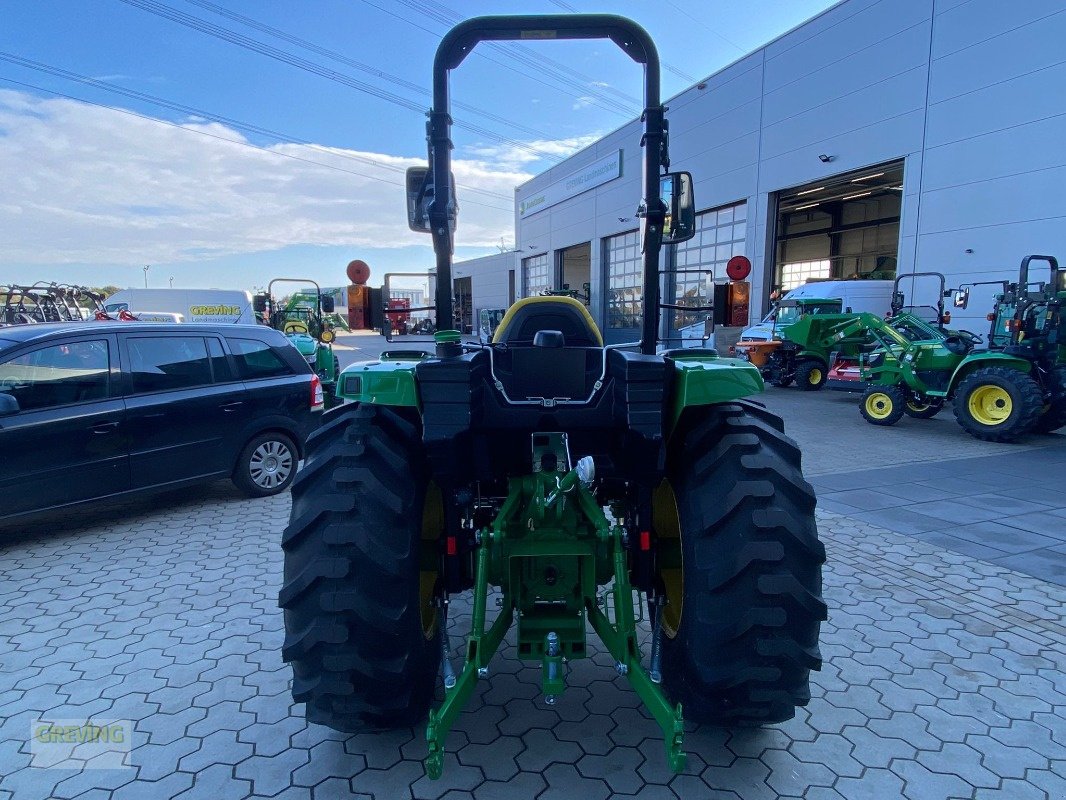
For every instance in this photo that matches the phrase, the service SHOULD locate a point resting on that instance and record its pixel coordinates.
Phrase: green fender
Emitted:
(982, 360)
(388, 382)
(703, 380)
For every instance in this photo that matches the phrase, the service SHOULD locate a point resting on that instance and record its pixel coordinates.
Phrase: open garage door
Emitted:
(839, 228)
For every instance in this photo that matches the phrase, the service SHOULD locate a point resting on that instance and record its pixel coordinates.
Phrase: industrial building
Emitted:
(879, 137)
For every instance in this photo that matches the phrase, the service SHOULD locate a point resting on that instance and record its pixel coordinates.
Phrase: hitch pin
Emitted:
(445, 648)
(655, 667)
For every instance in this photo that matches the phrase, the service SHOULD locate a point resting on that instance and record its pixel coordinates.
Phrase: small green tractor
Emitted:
(1028, 322)
(806, 347)
(303, 320)
(999, 394)
(579, 483)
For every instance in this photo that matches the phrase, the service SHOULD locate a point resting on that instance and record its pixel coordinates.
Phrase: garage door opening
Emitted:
(839, 228)
(575, 270)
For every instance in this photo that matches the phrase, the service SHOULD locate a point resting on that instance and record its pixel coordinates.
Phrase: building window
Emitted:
(799, 272)
(720, 235)
(536, 275)
(623, 265)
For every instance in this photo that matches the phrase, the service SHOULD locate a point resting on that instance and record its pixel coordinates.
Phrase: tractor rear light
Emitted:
(645, 541)
(318, 399)
(945, 318)
(990, 317)
(450, 547)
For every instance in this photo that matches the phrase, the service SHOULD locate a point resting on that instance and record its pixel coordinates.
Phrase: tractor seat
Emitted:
(530, 315)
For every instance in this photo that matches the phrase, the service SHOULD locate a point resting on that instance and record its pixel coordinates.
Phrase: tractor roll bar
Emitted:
(457, 44)
(1023, 271)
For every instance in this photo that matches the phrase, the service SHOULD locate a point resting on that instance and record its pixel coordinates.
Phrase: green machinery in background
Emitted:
(303, 319)
(581, 485)
(815, 345)
(999, 394)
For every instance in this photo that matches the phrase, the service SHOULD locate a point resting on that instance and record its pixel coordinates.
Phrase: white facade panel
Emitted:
(1016, 150)
(851, 34)
(981, 20)
(1016, 52)
(1027, 98)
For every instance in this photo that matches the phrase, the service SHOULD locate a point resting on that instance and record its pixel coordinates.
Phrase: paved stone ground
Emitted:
(945, 677)
(1002, 503)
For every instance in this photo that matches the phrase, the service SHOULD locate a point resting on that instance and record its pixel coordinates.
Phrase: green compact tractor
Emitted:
(578, 483)
(303, 320)
(915, 366)
(806, 350)
(1028, 322)
(1016, 386)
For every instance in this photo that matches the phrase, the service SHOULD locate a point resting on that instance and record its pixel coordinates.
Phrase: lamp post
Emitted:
(146, 268)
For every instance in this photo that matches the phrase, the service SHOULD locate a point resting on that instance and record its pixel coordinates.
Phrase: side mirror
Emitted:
(8, 405)
(897, 302)
(260, 303)
(328, 305)
(675, 189)
(960, 298)
(420, 196)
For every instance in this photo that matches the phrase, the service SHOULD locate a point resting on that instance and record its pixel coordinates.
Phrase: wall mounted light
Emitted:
(825, 159)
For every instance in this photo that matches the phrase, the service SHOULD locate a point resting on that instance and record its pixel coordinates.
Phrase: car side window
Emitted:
(162, 363)
(257, 359)
(57, 375)
(220, 367)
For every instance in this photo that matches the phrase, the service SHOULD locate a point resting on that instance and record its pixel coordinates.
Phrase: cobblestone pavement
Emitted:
(945, 677)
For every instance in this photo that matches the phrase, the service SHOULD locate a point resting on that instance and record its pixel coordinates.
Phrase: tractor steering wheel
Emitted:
(971, 337)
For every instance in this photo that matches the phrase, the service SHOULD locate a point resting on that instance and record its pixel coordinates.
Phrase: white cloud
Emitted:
(583, 102)
(506, 156)
(95, 185)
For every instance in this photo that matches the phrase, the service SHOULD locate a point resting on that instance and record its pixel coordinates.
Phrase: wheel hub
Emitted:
(990, 405)
(879, 405)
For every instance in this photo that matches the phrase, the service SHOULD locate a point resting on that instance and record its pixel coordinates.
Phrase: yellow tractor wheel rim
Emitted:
(667, 523)
(919, 407)
(432, 525)
(879, 405)
(815, 376)
(990, 404)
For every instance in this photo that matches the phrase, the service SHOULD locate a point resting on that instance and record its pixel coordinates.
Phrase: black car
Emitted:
(98, 409)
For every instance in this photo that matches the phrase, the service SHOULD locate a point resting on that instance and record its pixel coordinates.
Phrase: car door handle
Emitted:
(231, 406)
(103, 427)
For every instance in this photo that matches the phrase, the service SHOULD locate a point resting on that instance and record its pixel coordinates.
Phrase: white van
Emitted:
(855, 296)
(195, 305)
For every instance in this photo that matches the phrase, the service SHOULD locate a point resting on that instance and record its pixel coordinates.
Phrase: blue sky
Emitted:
(294, 172)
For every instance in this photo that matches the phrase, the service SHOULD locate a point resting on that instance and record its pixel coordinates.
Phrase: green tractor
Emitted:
(303, 320)
(1028, 322)
(815, 345)
(807, 351)
(580, 483)
(916, 366)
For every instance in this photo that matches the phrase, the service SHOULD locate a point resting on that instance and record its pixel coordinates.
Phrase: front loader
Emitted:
(579, 483)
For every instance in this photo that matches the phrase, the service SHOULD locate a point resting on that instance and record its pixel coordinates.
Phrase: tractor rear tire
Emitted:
(746, 635)
(364, 650)
(927, 410)
(883, 405)
(998, 404)
(810, 375)
(1054, 417)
